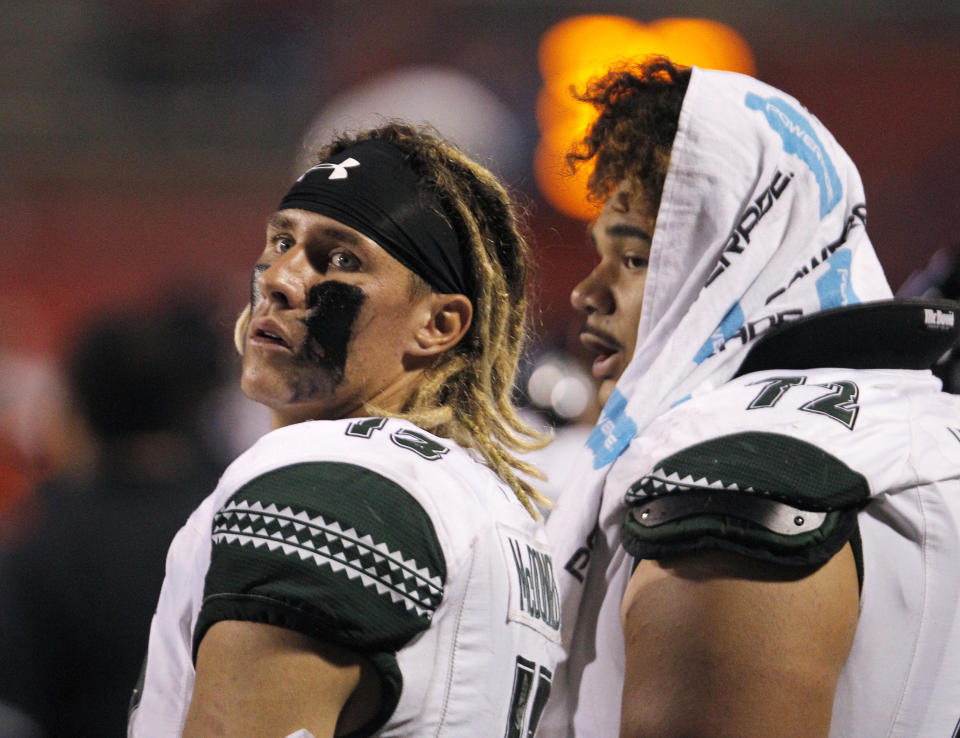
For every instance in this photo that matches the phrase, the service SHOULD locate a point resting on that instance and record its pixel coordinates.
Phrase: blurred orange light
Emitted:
(580, 48)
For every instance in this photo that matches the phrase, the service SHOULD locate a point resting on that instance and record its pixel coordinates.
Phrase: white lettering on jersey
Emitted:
(534, 595)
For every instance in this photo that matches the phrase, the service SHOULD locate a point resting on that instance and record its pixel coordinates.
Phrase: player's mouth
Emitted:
(607, 352)
(267, 333)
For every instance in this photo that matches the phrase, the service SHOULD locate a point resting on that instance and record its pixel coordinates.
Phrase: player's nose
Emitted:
(288, 279)
(592, 294)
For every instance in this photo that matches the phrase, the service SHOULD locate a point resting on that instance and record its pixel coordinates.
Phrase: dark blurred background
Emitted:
(143, 143)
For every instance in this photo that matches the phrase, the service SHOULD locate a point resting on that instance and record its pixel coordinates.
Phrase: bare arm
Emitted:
(720, 645)
(263, 681)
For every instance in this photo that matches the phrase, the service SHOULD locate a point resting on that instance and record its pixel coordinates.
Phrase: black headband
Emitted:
(371, 188)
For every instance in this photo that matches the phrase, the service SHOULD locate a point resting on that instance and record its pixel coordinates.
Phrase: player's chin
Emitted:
(252, 389)
(605, 390)
(264, 382)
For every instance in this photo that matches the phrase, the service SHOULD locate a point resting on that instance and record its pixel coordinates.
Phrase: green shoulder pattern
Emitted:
(330, 549)
(766, 495)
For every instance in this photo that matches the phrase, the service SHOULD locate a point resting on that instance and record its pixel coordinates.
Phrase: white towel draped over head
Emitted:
(762, 220)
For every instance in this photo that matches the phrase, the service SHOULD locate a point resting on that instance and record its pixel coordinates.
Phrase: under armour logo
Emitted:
(339, 171)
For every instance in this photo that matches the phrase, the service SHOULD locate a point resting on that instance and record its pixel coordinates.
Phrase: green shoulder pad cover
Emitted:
(765, 495)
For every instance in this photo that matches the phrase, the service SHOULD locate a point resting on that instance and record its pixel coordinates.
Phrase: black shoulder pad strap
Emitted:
(764, 495)
(904, 333)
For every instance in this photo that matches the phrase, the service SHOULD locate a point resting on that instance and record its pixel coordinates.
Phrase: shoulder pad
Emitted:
(765, 495)
(336, 548)
(901, 333)
(334, 551)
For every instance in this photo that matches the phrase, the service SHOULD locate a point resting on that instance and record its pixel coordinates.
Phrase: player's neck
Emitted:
(387, 400)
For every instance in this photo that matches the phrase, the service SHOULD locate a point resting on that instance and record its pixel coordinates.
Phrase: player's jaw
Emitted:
(297, 358)
(275, 375)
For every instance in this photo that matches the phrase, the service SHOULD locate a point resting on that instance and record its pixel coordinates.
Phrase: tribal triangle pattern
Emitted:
(660, 482)
(349, 552)
(765, 465)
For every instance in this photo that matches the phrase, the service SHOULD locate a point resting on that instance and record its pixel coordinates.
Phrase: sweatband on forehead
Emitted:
(371, 188)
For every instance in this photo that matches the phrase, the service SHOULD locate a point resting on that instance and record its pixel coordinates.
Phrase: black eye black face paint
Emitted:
(332, 309)
(255, 293)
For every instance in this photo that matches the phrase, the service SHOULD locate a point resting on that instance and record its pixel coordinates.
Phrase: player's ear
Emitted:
(448, 321)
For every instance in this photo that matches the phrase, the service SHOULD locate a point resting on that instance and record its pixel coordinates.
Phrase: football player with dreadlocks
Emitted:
(374, 565)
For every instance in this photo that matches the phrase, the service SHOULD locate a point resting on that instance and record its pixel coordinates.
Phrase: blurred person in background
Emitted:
(374, 564)
(764, 540)
(37, 437)
(79, 592)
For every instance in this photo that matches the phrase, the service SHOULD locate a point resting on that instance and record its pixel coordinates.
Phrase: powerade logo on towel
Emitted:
(834, 288)
(613, 431)
(800, 139)
(729, 327)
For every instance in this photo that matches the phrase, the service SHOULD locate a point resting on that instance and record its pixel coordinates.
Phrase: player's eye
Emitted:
(344, 260)
(635, 262)
(281, 243)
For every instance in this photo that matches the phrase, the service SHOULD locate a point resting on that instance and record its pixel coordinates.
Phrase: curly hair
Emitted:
(467, 393)
(639, 107)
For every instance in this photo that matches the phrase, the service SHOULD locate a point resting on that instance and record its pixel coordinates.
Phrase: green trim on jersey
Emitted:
(334, 551)
(765, 495)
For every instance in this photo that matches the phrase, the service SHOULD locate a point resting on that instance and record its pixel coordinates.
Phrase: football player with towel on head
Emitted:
(764, 536)
(374, 565)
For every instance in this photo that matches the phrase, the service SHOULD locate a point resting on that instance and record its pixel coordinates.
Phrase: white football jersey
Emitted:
(392, 542)
(892, 428)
